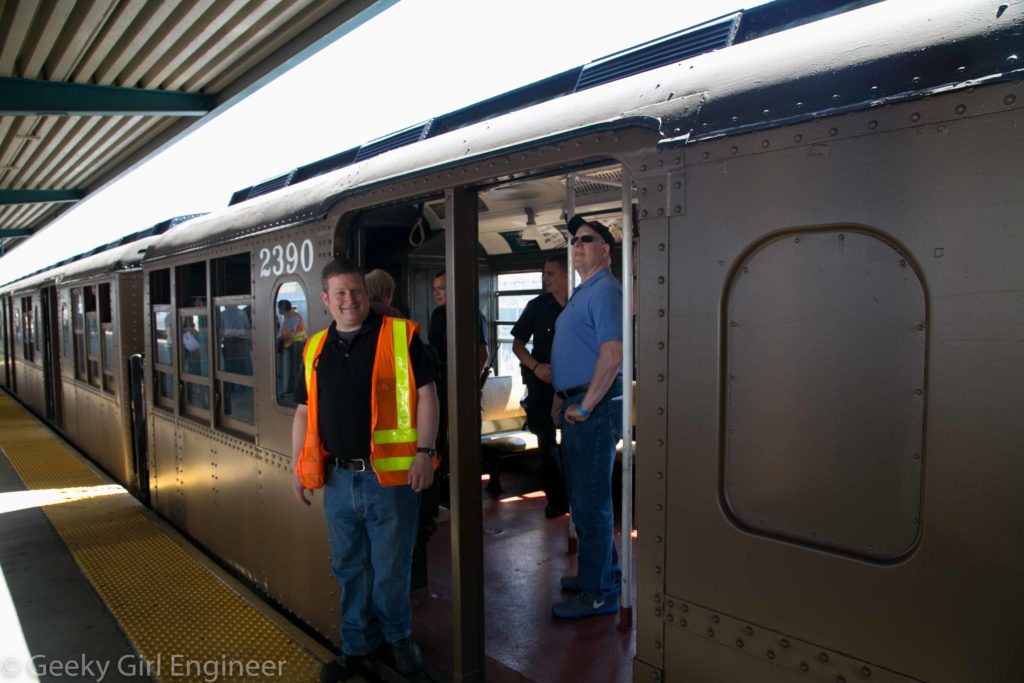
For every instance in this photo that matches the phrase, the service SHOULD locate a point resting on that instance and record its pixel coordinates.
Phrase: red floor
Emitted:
(525, 554)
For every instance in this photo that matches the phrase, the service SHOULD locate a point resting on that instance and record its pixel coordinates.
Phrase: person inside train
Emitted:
(291, 336)
(438, 336)
(381, 288)
(537, 322)
(372, 460)
(586, 366)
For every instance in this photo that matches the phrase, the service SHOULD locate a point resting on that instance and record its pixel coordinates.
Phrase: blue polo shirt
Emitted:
(592, 316)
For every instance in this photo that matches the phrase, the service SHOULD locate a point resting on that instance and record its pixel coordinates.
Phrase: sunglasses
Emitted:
(586, 239)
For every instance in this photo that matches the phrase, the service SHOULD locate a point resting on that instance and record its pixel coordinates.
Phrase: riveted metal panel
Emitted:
(943, 184)
(824, 350)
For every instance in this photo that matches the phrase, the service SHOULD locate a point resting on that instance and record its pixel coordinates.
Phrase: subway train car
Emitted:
(828, 226)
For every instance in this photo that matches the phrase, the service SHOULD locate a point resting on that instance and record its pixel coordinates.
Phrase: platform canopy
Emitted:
(89, 90)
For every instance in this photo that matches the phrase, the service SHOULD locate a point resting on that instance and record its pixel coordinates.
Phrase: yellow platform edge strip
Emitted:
(184, 622)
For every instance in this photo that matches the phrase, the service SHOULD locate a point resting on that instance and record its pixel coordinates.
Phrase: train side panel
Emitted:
(835, 398)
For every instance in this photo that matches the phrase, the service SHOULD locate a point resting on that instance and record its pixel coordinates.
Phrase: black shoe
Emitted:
(407, 656)
(342, 668)
(551, 511)
(494, 487)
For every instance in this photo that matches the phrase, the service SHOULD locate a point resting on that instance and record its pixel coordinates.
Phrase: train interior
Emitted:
(520, 225)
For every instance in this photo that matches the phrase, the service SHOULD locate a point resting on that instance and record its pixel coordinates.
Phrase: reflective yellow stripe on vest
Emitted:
(404, 432)
(311, 348)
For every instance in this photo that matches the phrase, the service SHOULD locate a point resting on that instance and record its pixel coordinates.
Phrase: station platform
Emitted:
(95, 587)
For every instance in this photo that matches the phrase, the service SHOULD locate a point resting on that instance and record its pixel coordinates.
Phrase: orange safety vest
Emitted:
(393, 405)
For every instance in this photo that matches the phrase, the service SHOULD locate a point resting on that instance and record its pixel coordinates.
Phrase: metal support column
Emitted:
(626, 599)
(460, 243)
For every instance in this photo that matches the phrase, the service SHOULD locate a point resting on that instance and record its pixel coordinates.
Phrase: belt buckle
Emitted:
(358, 465)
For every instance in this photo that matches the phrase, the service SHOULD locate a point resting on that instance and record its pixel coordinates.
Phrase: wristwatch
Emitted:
(429, 451)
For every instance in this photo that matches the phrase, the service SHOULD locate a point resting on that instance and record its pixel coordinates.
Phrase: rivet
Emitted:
(657, 570)
(734, 149)
(903, 263)
(915, 520)
(661, 312)
(961, 108)
(917, 392)
(661, 346)
(735, 119)
(840, 679)
(678, 209)
(669, 618)
(915, 117)
(798, 138)
(833, 132)
(767, 112)
(677, 184)
(943, 128)
(715, 619)
(770, 654)
(657, 539)
(917, 456)
(784, 643)
(836, 97)
(661, 162)
(1009, 99)
(661, 210)
(684, 607)
(865, 672)
(657, 612)
(657, 645)
(873, 89)
(643, 213)
(799, 105)
(711, 633)
(643, 167)
(872, 124)
(661, 378)
(915, 80)
(654, 675)
(661, 187)
(746, 269)
(661, 442)
(661, 279)
(657, 597)
(661, 246)
(823, 656)
(739, 642)
(643, 190)
(670, 603)
(659, 475)
(659, 507)
(677, 160)
(765, 143)
(804, 667)
(682, 622)
(1011, 59)
(749, 631)
(920, 327)
(661, 411)
(797, 240)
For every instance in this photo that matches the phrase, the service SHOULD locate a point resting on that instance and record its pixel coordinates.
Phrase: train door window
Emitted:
(37, 331)
(514, 291)
(65, 329)
(19, 333)
(28, 334)
(232, 305)
(92, 333)
(162, 322)
(291, 311)
(194, 326)
(107, 334)
(78, 322)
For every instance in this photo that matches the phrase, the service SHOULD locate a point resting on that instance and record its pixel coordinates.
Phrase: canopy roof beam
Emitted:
(40, 196)
(24, 97)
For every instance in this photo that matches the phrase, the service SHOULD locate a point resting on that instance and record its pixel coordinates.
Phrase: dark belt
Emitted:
(355, 465)
(572, 391)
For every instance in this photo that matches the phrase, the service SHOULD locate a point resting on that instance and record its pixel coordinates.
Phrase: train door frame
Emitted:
(5, 351)
(48, 301)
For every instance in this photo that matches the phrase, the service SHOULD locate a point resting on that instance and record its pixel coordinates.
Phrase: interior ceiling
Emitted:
(89, 89)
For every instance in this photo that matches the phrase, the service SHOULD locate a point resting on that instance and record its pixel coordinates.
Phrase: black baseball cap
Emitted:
(600, 228)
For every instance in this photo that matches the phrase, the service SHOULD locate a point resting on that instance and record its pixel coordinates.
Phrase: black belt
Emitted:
(355, 465)
(572, 391)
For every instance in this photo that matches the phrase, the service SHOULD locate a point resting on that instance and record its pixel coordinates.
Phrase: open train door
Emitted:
(51, 356)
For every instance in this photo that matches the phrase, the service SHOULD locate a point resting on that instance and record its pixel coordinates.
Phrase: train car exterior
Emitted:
(30, 361)
(828, 331)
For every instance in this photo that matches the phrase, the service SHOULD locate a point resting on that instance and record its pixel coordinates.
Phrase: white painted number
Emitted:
(288, 258)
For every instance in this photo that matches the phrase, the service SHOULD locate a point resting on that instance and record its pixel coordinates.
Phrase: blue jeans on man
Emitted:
(372, 530)
(588, 452)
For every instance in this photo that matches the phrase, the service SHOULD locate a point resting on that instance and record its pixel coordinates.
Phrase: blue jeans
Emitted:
(588, 451)
(372, 529)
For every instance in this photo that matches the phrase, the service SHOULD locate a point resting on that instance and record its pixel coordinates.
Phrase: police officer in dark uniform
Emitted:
(538, 322)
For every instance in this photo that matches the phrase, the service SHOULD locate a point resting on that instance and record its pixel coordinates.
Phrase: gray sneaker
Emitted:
(571, 584)
(586, 605)
(407, 655)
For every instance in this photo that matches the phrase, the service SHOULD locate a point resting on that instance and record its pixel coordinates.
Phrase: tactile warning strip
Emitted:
(184, 622)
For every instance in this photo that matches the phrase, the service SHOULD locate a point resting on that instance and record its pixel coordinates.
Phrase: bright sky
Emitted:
(416, 60)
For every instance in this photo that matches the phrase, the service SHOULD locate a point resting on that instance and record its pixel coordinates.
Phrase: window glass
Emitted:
(291, 313)
(525, 286)
(239, 403)
(192, 285)
(195, 335)
(197, 395)
(93, 325)
(234, 338)
(160, 287)
(17, 329)
(165, 385)
(163, 338)
(233, 276)
(108, 350)
(65, 326)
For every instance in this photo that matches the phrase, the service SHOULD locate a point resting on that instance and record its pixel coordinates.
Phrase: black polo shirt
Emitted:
(538, 321)
(344, 375)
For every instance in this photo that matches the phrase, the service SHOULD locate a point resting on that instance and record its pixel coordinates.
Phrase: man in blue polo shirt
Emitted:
(586, 362)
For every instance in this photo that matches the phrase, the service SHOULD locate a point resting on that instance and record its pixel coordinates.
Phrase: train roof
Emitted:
(867, 57)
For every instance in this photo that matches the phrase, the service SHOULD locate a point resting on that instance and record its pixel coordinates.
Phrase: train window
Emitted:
(514, 291)
(78, 321)
(65, 330)
(291, 313)
(232, 306)
(27, 350)
(163, 353)
(192, 285)
(107, 332)
(92, 334)
(19, 334)
(195, 360)
(163, 338)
